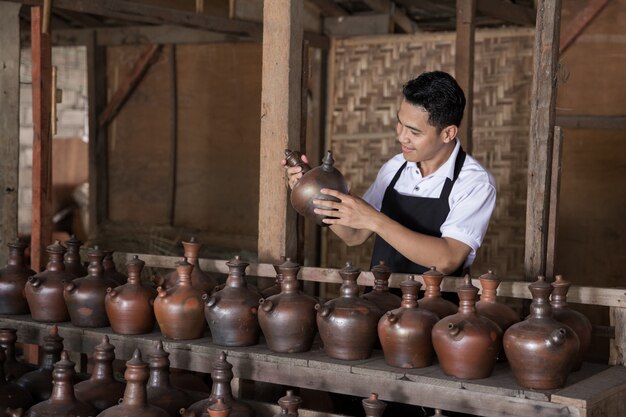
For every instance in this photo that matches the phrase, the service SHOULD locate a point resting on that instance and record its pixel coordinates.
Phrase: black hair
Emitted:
(440, 95)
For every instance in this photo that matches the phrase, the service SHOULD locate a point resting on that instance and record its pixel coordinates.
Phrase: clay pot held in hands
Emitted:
(11, 394)
(289, 404)
(160, 393)
(373, 406)
(432, 300)
(13, 279)
(13, 369)
(110, 271)
(73, 264)
(199, 279)
(380, 294)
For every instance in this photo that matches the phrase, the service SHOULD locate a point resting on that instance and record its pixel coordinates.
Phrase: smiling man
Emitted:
(429, 205)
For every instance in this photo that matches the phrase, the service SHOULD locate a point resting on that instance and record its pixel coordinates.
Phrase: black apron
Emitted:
(420, 214)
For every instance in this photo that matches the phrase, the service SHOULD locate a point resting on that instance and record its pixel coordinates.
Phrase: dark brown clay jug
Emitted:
(313, 180)
(540, 349)
(289, 404)
(135, 401)
(85, 296)
(39, 382)
(44, 291)
(380, 294)
(503, 315)
(222, 375)
(348, 324)
(288, 319)
(110, 271)
(467, 344)
(432, 300)
(130, 307)
(160, 393)
(373, 406)
(101, 390)
(276, 288)
(219, 409)
(405, 333)
(13, 369)
(200, 280)
(13, 279)
(578, 322)
(62, 401)
(72, 261)
(11, 394)
(232, 312)
(179, 309)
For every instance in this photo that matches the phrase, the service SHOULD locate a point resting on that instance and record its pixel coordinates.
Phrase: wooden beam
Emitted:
(555, 188)
(41, 50)
(397, 15)
(370, 24)
(542, 114)
(578, 24)
(128, 85)
(173, 133)
(591, 122)
(507, 11)
(280, 124)
(9, 122)
(329, 8)
(464, 64)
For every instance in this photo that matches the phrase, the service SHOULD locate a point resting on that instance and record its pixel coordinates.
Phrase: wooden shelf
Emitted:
(595, 386)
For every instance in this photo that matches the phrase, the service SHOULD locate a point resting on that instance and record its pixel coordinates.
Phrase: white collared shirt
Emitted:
(472, 198)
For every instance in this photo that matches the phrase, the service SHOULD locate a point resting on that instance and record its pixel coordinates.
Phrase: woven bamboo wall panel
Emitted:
(365, 95)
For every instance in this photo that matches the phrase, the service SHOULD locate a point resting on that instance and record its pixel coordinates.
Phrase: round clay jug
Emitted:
(380, 294)
(348, 324)
(73, 264)
(101, 390)
(405, 333)
(373, 406)
(44, 291)
(467, 344)
(222, 375)
(288, 319)
(13, 369)
(11, 394)
(578, 322)
(129, 307)
(503, 315)
(62, 401)
(313, 180)
(200, 280)
(160, 393)
(432, 300)
(39, 382)
(540, 349)
(289, 404)
(276, 288)
(110, 271)
(13, 279)
(135, 401)
(179, 309)
(84, 296)
(232, 312)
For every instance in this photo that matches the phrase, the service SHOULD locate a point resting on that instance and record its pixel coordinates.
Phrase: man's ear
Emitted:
(448, 134)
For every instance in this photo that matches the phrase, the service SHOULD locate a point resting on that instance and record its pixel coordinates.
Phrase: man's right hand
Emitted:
(294, 173)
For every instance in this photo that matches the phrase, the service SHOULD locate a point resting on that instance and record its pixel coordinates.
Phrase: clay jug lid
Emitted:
(540, 288)
(17, 243)
(183, 267)
(236, 261)
(559, 282)
(410, 283)
(328, 162)
(159, 358)
(56, 247)
(221, 364)
(104, 351)
(73, 241)
(432, 272)
(290, 400)
(467, 291)
(289, 264)
(63, 369)
(135, 262)
(381, 268)
(280, 261)
(350, 269)
(373, 403)
(489, 276)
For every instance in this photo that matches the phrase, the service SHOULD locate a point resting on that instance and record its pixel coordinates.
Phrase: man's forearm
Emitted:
(350, 236)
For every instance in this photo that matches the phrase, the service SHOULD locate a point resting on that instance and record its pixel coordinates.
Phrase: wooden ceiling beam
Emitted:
(578, 24)
(398, 15)
(329, 8)
(508, 12)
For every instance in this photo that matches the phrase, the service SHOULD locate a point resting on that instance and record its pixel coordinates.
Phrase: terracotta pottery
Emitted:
(102, 390)
(73, 264)
(160, 392)
(432, 300)
(503, 315)
(11, 394)
(84, 296)
(110, 271)
(540, 349)
(135, 401)
(222, 375)
(348, 324)
(62, 402)
(13, 279)
(289, 404)
(467, 344)
(179, 309)
(277, 287)
(232, 312)
(39, 382)
(578, 322)
(373, 406)
(129, 307)
(405, 333)
(380, 294)
(199, 280)
(44, 291)
(13, 369)
(313, 180)
(288, 319)
(219, 408)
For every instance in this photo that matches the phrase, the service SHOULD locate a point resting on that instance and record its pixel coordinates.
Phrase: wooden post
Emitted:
(617, 317)
(42, 138)
(9, 122)
(542, 113)
(464, 64)
(280, 124)
(553, 224)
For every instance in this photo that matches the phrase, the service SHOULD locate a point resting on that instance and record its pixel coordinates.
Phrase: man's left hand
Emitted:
(350, 211)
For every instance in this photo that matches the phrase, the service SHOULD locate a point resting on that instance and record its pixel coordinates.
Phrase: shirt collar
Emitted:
(447, 169)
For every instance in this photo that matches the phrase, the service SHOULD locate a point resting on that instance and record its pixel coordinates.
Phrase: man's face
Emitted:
(419, 139)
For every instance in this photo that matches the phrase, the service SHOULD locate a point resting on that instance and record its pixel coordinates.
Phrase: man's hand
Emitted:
(350, 211)
(294, 173)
